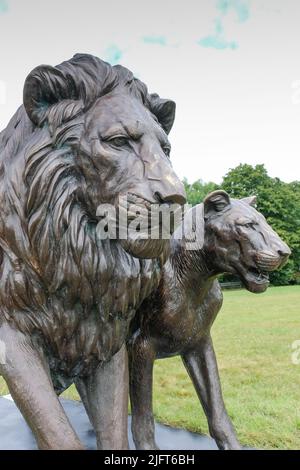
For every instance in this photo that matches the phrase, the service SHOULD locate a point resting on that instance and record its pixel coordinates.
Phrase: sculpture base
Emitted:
(15, 434)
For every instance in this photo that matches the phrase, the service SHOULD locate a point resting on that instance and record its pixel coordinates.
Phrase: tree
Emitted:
(197, 191)
(277, 200)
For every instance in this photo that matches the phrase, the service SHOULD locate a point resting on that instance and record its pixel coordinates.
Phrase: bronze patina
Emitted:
(87, 133)
(229, 236)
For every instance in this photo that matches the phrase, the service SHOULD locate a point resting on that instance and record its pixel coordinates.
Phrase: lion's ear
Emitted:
(251, 200)
(43, 87)
(164, 110)
(216, 201)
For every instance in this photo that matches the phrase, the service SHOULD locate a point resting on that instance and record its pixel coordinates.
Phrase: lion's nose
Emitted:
(169, 189)
(165, 184)
(177, 197)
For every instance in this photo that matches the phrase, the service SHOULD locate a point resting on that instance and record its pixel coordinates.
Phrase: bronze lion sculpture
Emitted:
(231, 236)
(86, 133)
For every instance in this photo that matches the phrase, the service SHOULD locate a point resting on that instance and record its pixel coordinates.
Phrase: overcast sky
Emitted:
(232, 66)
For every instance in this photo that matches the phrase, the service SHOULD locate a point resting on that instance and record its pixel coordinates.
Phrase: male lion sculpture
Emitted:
(86, 134)
(176, 319)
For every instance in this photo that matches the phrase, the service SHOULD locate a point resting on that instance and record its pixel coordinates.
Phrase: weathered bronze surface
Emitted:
(87, 133)
(176, 319)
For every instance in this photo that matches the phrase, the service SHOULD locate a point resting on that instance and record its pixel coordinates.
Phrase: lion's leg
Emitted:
(81, 387)
(105, 397)
(201, 365)
(141, 360)
(25, 372)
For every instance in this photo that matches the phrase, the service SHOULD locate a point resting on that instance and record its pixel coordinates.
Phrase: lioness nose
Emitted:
(284, 253)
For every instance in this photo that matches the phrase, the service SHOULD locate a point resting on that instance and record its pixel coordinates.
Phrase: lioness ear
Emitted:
(164, 110)
(216, 201)
(251, 200)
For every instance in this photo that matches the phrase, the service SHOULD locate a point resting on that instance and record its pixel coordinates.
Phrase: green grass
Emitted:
(252, 337)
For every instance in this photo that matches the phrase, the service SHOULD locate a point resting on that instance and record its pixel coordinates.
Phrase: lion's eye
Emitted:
(118, 141)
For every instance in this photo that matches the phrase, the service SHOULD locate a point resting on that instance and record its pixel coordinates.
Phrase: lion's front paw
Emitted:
(146, 445)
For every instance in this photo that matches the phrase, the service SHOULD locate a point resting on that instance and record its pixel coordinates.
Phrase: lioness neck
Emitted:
(191, 264)
(192, 268)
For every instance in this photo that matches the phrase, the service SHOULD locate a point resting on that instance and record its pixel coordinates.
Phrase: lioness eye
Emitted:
(249, 224)
(167, 150)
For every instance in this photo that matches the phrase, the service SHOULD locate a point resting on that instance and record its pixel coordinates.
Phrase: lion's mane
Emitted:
(58, 281)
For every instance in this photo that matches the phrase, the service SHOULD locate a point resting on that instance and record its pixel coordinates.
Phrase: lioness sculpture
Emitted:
(86, 134)
(176, 319)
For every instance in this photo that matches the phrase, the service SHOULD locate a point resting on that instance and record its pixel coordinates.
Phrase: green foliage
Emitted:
(277, 200)
(197, 191)
(245, 180)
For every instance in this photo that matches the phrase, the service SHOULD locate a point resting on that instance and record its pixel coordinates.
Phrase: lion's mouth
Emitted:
(162, 223)
(136, 206)
(141, 226)
(138, 201)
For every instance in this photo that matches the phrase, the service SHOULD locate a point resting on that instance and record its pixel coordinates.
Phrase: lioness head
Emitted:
(239, 240)
(116, 132)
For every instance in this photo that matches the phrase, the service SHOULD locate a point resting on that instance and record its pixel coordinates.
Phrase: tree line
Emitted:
(278, 201)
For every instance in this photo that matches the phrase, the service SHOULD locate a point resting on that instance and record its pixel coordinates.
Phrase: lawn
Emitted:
(253, 336)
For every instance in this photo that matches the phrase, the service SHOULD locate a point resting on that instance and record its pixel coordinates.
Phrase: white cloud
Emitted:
(233, 106)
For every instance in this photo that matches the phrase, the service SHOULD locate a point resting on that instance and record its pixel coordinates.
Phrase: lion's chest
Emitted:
(78, 309)
(79, 347)
(78, 336)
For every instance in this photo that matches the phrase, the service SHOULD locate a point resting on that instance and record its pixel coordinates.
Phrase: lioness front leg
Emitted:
(202, 367)
(105, 397)
(25, 371)
(141, 359)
